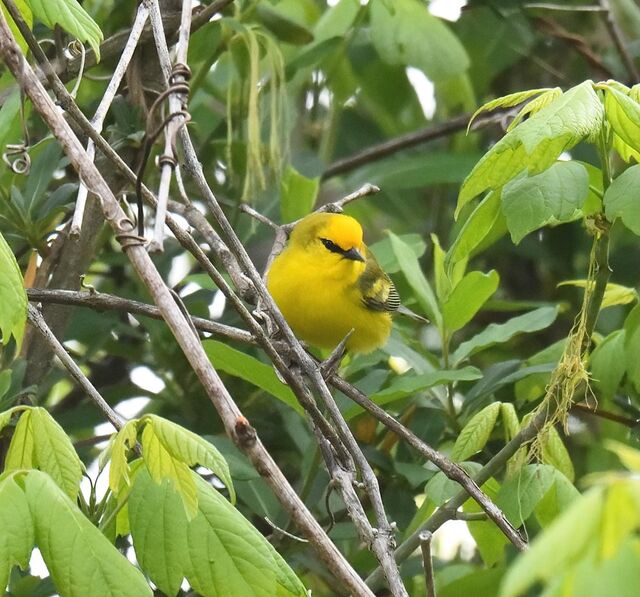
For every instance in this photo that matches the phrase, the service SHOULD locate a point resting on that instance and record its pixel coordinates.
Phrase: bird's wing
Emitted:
(378, 291)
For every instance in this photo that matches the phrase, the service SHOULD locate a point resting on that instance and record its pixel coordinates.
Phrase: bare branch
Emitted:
(100, 301)
(427, 562)
(618, 40)
(430, 133)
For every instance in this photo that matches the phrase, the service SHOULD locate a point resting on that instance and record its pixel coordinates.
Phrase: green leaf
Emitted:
(632, 346)
(614, 294)
(25, 11)
(476, 432)
(411, 269)
(39, 442)
(483, 227)
(581, 522)
(497, 333)
(623, 113)
(440, 488)
(559, 497)
(244, 366)
(5, 382)
(159, 531)
(13, 298)
(17, 536)
(620, 517)
(282, 26)
(385, 256)
(218, 551)
(506, 101)
(185, 446)
(54, 453)
(555, 453)
(552, 197)
(124, 441)
(621, 199)
(404, 32)
(535, 105)
(488, 537)
(510, 420)
(443, 283)
(297, 194)
(608, 363)
(71, 17)
(629, 456)
(536, 143)
(162, 465)
(467, 298)
(21, 450)
(80, 559)
(406, 385)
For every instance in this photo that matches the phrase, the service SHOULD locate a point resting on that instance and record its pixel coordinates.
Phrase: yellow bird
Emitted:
(326, 282)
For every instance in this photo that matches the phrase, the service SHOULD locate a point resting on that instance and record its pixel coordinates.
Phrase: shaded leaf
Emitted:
(502, 332)
(297, 194)
(467, 298)
(71, 17)
(244, 366)
(621, 199)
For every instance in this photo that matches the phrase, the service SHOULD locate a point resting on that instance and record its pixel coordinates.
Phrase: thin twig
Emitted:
(617, 37)
(565, 7)
(603, 414)
(427, 562)
(38, 322)
(103, 107)
(100, 301)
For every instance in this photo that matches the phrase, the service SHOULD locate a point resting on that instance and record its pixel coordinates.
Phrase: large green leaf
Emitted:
(550, 554)
(623, 113)
(79, 557)
(13, 298)
(467, 298)
(218, 551)
(403, 32)
(39, 442)
(497, 333)
(551, 197)
(520, 494)
(608, 363)
(244, 366)
(485, 225)
(187, 447)
(632, 346)
(17, 536)
(476, 432)
(536, 143)
(71, 17)
(406, 385)
(621, 199)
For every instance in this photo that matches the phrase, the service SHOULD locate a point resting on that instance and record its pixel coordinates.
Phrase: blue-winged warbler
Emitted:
(326, 282)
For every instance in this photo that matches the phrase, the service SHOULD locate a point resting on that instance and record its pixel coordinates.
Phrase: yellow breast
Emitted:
(322, 301)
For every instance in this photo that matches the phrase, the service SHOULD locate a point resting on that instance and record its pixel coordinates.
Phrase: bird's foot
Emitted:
(330, 365)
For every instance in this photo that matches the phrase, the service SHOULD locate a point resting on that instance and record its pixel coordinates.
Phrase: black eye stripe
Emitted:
(331, 246)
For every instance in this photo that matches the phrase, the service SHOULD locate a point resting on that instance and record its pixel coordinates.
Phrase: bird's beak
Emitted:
(353, 254)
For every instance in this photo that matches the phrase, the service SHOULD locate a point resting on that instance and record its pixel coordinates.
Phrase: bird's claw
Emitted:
(330, 365)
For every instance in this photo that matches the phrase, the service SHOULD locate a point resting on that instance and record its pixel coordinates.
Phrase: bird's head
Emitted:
(327, 234)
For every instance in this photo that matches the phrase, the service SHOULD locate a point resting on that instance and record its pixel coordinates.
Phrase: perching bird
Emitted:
(326, 282)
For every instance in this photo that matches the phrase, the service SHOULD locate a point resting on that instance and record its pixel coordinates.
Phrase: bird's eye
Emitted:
(329, 244)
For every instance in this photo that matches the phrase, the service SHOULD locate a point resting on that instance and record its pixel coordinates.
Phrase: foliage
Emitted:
(520, 245)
